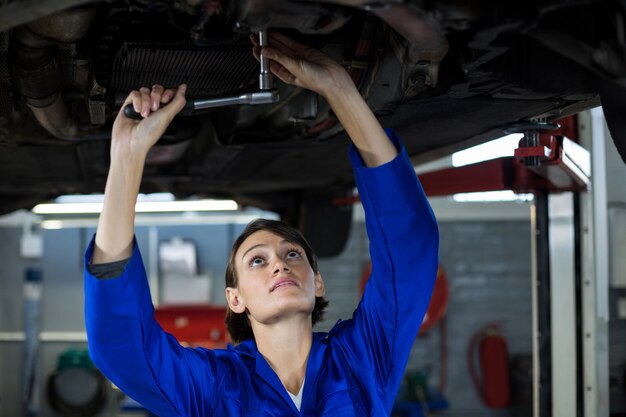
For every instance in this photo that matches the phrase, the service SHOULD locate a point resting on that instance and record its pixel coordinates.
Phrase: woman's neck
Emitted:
(286, 345)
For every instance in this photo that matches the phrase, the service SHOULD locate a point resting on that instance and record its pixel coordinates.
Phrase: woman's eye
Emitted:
(293, 254)
(256, 261)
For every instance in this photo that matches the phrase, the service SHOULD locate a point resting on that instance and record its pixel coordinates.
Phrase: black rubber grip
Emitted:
(129, 111)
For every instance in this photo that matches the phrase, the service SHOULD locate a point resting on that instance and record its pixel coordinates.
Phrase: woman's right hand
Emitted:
(132, 139)
(302, 66)
(130, 142)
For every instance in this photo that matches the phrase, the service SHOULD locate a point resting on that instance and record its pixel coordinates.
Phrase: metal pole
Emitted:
(562, 304)
(542, 376)
(535, 310)
(594, 266)
(578, 254)
(265, 77)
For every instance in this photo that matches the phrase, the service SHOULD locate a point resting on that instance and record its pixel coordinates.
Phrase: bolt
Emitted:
(420, 79)
(417, 82)
(531, 139)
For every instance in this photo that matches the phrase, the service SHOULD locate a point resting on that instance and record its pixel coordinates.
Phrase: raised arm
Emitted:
(130, 142)
(125, 342)
(400, 224)
(309, 68)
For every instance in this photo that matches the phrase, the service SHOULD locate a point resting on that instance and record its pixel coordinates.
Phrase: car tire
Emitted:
(613, 98)
(88, 402)
(324, 223)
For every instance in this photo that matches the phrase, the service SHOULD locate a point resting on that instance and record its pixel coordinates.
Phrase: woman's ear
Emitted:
(235, 303)
(320, 290)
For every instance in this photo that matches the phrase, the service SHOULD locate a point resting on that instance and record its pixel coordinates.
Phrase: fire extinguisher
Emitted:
(493, 384)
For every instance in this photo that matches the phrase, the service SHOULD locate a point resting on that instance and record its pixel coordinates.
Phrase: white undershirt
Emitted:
(297, 399)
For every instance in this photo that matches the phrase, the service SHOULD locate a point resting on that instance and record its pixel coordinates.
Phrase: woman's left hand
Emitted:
(306, 67)
(300, 65)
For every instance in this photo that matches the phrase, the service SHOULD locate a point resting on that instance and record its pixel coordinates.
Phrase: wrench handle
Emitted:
(257, 97)
(129, 110)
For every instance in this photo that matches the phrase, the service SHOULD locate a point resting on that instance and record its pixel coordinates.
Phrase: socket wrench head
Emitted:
(265, 81)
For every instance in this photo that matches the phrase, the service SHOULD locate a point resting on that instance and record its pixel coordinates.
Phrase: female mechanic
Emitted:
(280, 367)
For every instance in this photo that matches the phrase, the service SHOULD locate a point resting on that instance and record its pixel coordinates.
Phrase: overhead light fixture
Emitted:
(99, 198)
(140, 207)
(52, 224)
(504, 146)
(492, 196)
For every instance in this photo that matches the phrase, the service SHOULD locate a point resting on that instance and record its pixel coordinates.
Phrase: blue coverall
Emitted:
(353, 370)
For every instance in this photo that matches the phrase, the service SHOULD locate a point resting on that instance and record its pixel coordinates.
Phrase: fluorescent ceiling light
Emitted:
(491, 196)
(178, 206)
(99, 198)
(241, 217)
(504, 146)
(141, 207)
(52, 224)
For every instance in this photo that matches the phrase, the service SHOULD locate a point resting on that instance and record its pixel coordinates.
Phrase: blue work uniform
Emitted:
(353, 370)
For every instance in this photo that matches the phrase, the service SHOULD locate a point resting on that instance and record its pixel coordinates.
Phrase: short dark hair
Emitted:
(238, 324)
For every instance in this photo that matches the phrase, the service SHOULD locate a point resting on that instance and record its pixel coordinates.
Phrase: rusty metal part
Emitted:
(306, 17)
(36, 68)
(66, 27)
(423, 33)
(37, 78)
(426, 45)
(22, 12)
(426, 40)
(423, 48)
(55, 117)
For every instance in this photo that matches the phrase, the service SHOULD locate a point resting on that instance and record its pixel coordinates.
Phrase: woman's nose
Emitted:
(280, 265)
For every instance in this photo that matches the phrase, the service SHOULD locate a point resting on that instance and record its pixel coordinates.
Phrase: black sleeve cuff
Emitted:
(107, 270)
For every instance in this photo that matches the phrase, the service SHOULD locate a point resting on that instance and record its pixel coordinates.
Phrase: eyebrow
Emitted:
(282, 242)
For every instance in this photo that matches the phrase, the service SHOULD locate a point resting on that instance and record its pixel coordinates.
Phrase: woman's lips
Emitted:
(283, 283)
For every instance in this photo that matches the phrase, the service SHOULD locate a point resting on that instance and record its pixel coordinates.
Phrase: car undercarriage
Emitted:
(444, 74)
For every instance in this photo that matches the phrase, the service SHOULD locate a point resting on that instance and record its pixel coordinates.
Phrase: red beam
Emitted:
(493, 175)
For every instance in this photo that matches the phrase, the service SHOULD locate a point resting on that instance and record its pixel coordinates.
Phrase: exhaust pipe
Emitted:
(34, 52)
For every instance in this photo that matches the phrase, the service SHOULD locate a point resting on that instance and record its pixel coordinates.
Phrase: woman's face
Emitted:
(274, 279)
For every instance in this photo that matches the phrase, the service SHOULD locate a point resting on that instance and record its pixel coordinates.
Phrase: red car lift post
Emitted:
(543, 164)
